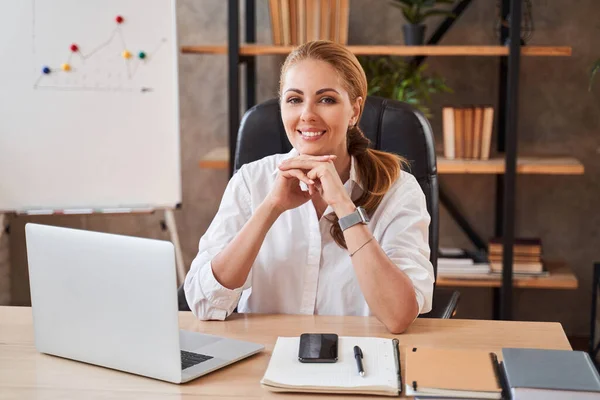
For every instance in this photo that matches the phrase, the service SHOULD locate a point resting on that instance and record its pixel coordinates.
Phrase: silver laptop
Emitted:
(111, 300)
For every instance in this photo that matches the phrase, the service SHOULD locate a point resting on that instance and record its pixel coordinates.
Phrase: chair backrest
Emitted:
(391, 126)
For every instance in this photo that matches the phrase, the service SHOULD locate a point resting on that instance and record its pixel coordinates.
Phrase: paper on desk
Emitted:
(285, 370)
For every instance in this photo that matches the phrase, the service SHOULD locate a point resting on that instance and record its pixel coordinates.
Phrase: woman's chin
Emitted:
(312, 150)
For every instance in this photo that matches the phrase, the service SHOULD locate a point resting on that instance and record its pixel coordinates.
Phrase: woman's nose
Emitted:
(308, 112)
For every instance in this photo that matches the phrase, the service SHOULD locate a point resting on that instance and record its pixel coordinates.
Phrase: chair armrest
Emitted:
(181, 300)
(444, 306)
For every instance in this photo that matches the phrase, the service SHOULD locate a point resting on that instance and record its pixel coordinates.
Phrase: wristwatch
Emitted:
(359, 216)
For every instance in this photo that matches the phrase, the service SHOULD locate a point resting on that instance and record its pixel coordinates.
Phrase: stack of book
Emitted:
(294, 22)
(457, 262)
(527, 256)
(467, 132)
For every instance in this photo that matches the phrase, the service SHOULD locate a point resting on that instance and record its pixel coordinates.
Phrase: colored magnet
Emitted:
(142, 55)
(65, 67)
(74, 48)
(46, 70)
(119, 19)
(126, 54)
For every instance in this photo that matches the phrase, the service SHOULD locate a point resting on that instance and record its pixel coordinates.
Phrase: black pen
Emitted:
(358, 355)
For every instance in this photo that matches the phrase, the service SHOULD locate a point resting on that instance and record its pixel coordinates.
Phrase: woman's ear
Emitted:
(356, 109)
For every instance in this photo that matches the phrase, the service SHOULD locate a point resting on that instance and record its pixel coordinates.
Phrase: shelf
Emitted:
(216, 159)
(219, 159)
(525, 165)
(258, 49)
(561, 277)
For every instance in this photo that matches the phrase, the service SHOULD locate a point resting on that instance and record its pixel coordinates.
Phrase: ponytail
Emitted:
(378, 170)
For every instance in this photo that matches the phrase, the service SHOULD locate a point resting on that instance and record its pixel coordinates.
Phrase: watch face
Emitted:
(363, 214)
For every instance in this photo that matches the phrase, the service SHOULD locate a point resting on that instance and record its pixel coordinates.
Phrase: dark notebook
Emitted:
(550, 374)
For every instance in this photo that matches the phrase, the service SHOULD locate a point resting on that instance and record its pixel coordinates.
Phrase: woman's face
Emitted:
(316, 109)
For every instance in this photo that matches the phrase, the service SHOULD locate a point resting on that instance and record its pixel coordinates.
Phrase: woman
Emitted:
(290, 235)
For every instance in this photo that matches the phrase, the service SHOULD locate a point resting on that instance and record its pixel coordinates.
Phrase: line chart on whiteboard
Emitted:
(111, 64)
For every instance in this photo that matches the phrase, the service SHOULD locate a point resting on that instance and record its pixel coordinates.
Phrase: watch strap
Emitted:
(359, 216)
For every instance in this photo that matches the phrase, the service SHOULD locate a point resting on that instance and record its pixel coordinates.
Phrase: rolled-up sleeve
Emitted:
(405, 239)
(207, 298)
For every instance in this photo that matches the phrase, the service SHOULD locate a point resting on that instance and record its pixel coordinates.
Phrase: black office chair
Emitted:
(391, 126)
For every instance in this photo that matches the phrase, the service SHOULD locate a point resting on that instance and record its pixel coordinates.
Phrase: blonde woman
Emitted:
(331, 228)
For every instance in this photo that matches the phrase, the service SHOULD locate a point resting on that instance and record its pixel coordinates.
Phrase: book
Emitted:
(448, 129)
(301, 24)
(461, 270)
(477, 131)
(380, 359)
(312, 20)
(343, 16)
(486, 132)
(284, 10)
(335, 20)
(325, 19)
(452, 373)
(459, 135)
(520, 258)
(550, 374)
(293, 8)
(469, 136)
(477, 256)
(521, 246)
(530, 268)
(275, 13)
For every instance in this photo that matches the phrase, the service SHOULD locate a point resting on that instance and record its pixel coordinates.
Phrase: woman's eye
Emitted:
(327, 100)
(293, 100)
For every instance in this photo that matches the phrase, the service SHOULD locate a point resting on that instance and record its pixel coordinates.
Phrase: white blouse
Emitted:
(299, 268)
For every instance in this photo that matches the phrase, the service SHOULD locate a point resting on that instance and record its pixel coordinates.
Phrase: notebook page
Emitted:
(378, 361)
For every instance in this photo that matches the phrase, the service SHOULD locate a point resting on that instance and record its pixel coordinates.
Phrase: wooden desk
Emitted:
(26, 374)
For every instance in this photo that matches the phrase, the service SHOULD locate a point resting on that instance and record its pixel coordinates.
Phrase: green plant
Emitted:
(595, 69)
(415, 11)
(394, 78)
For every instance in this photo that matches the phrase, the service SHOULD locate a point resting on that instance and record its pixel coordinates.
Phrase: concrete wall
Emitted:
(556, 116)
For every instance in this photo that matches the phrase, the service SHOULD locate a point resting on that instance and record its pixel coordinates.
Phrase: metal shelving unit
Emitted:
(506, 120)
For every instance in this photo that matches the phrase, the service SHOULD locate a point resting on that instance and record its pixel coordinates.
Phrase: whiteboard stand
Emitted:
(172, 227)
(169, 224)
(2, 228)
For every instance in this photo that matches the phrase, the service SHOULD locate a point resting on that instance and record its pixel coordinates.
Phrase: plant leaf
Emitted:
(407, 3)
(431, 13)
(593, 72)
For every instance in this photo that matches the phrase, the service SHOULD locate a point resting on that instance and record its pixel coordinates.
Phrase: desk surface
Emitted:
(26, 374)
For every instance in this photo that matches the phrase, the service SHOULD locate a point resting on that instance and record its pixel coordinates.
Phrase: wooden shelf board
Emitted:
(561, 277)
(219, 159)
(525, 165)
(261, 49)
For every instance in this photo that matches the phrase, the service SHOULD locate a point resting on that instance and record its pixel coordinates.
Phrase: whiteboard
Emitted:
(102, 132)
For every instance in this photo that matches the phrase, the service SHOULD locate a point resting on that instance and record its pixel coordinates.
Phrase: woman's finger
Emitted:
(298, 174)
(317, 172)
(314, 158)
(301, 164)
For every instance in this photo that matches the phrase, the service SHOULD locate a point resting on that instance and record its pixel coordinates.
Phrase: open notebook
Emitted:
(286, 374)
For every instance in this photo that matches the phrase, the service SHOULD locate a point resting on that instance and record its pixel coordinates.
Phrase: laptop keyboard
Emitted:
(189, 359)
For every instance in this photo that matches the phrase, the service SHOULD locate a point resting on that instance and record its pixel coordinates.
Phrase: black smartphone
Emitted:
(318, 348)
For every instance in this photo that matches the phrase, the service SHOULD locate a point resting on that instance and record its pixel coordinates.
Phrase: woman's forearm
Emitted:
(232, 265)
(388, 291)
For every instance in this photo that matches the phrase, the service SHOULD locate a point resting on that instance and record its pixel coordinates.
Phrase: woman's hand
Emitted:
(325, 181)
(286, 194)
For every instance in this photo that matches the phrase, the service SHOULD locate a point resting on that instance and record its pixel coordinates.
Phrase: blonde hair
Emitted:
(378, 170)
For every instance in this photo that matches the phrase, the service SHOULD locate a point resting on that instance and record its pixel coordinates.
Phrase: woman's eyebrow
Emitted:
(320, 91)
(327, 90)
(294, 90)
